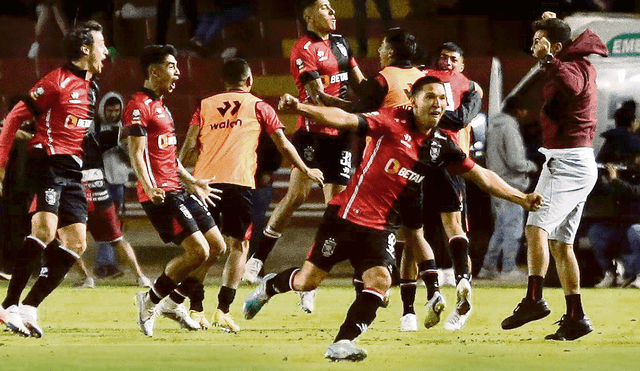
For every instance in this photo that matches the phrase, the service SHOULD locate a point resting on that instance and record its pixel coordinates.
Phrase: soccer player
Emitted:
(359, 222)
(447, 192)
(322, 65)
(63, 103)
(568, 120)
(225, 131)
(179, 216)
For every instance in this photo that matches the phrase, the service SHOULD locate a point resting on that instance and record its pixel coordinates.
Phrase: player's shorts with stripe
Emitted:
(233, 212)
(567, 178)
(103, 222)
(56, 183)
(338, 239)
(180, 216)
(330, 154)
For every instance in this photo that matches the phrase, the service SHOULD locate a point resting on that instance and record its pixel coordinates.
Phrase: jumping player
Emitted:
(359, 223)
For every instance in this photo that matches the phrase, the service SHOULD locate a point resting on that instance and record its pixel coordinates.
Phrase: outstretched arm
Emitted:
(491, 183)
(328, 116)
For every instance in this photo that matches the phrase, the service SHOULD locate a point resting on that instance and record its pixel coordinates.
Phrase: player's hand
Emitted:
(316, 175)
(533, 201)
(288, 103)
(548, 14)
(156, 195)
(612, 171)
(202, 190)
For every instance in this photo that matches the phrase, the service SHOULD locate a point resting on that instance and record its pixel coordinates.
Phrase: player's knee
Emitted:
(378, 278)
(296, 198)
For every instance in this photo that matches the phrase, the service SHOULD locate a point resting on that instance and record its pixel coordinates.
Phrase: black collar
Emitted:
(76, 70)
(402, 64)
(314, 36)
(151, 94)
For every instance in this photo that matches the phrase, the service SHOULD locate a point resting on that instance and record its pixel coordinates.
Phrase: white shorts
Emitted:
(567, 178)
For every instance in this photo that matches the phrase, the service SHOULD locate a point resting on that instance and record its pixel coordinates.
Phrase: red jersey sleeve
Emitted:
(460, 168)
(268, 118)
(378, 122)
(196, 118)
(12, 123)
(44, 93)
(353, 63)
(306, 63)
(135, 118)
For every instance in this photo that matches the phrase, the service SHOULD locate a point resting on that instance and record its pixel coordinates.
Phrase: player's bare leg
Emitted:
(126, 253)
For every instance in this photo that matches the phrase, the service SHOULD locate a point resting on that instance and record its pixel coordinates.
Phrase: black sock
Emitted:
(281, 283)
(408, 295)
(574, 306)
(30, 251)
(459, 246)
(360, 315)
(225, 298)
(429, 274)
(266, 244)
(163, 286)
(184, 290)
(534, 288)
(196, 297)
(57, 263)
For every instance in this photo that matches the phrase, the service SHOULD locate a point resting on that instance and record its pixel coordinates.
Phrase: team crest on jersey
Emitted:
(75, 98)
(342, 49)
(50, 196)
(434, 150)
(309, 153)
(35, 94)
(328, 247)
(136, 117)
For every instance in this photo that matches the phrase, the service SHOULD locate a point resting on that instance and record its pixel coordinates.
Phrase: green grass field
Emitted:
(96, 330)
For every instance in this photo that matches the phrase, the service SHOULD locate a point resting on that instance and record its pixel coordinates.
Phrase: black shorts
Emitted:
(330, 154)
(180, 216)
(233, 212)
(56, 186)
(445, 193)
(338, 239)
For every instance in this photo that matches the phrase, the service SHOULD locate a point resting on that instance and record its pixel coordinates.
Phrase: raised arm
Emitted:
(327, 116)
(491, 183)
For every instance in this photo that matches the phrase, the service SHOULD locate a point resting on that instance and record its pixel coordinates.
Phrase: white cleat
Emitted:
(144, 281)
(307, 301)
(252, 270)
(463, 307)
(87, 283)
(609, 280)
(13, 320)
(409, 322)
(435, 308)
(146, 313)
(225, 321)
(447, 277)
(178, 313)
(200, 318)
(344, 350)
(29, 316)
(257, 299)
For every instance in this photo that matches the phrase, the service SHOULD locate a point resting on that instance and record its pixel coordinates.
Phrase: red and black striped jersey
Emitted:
(331, 60)
(64, 105)
(146, 115)
(394, 166)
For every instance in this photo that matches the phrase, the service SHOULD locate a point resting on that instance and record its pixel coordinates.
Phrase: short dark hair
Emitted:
(303, 5)
(403, 44)
(79, 37)
(154, 54)
(112, 101)
(558, 31)
(421, 82)
(450, 45)
(625, 115)
(235, 71)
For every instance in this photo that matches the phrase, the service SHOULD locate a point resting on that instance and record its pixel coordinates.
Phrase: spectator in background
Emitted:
(44, 10)
(116, 171)
(506, 156)
(621, 149)
(164, 13)
(360, 15)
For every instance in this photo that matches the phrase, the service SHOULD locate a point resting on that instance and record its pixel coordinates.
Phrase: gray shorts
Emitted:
(567, 178)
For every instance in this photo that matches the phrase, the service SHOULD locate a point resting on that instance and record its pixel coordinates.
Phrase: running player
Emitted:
(225, 131)
(358, 224)
(63, 103)
(178, 216)
(322, 65)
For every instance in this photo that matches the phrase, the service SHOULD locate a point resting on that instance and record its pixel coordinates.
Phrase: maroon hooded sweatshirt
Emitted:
(568, 116)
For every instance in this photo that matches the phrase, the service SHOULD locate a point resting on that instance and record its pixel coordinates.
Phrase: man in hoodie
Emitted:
(506, 155)
(568, 121)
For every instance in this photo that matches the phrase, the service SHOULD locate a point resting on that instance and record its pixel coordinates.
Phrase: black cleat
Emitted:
(571, 329)
(527, 311)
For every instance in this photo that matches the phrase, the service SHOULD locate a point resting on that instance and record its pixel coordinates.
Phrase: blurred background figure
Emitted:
(506, 155)
(360, 15)
(616, 244)
(44, 11)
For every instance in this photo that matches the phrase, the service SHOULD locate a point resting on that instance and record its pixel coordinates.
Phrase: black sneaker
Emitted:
(527, 311)
(571, 329)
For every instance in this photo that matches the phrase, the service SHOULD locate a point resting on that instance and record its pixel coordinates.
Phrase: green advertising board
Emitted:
(625, 45)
